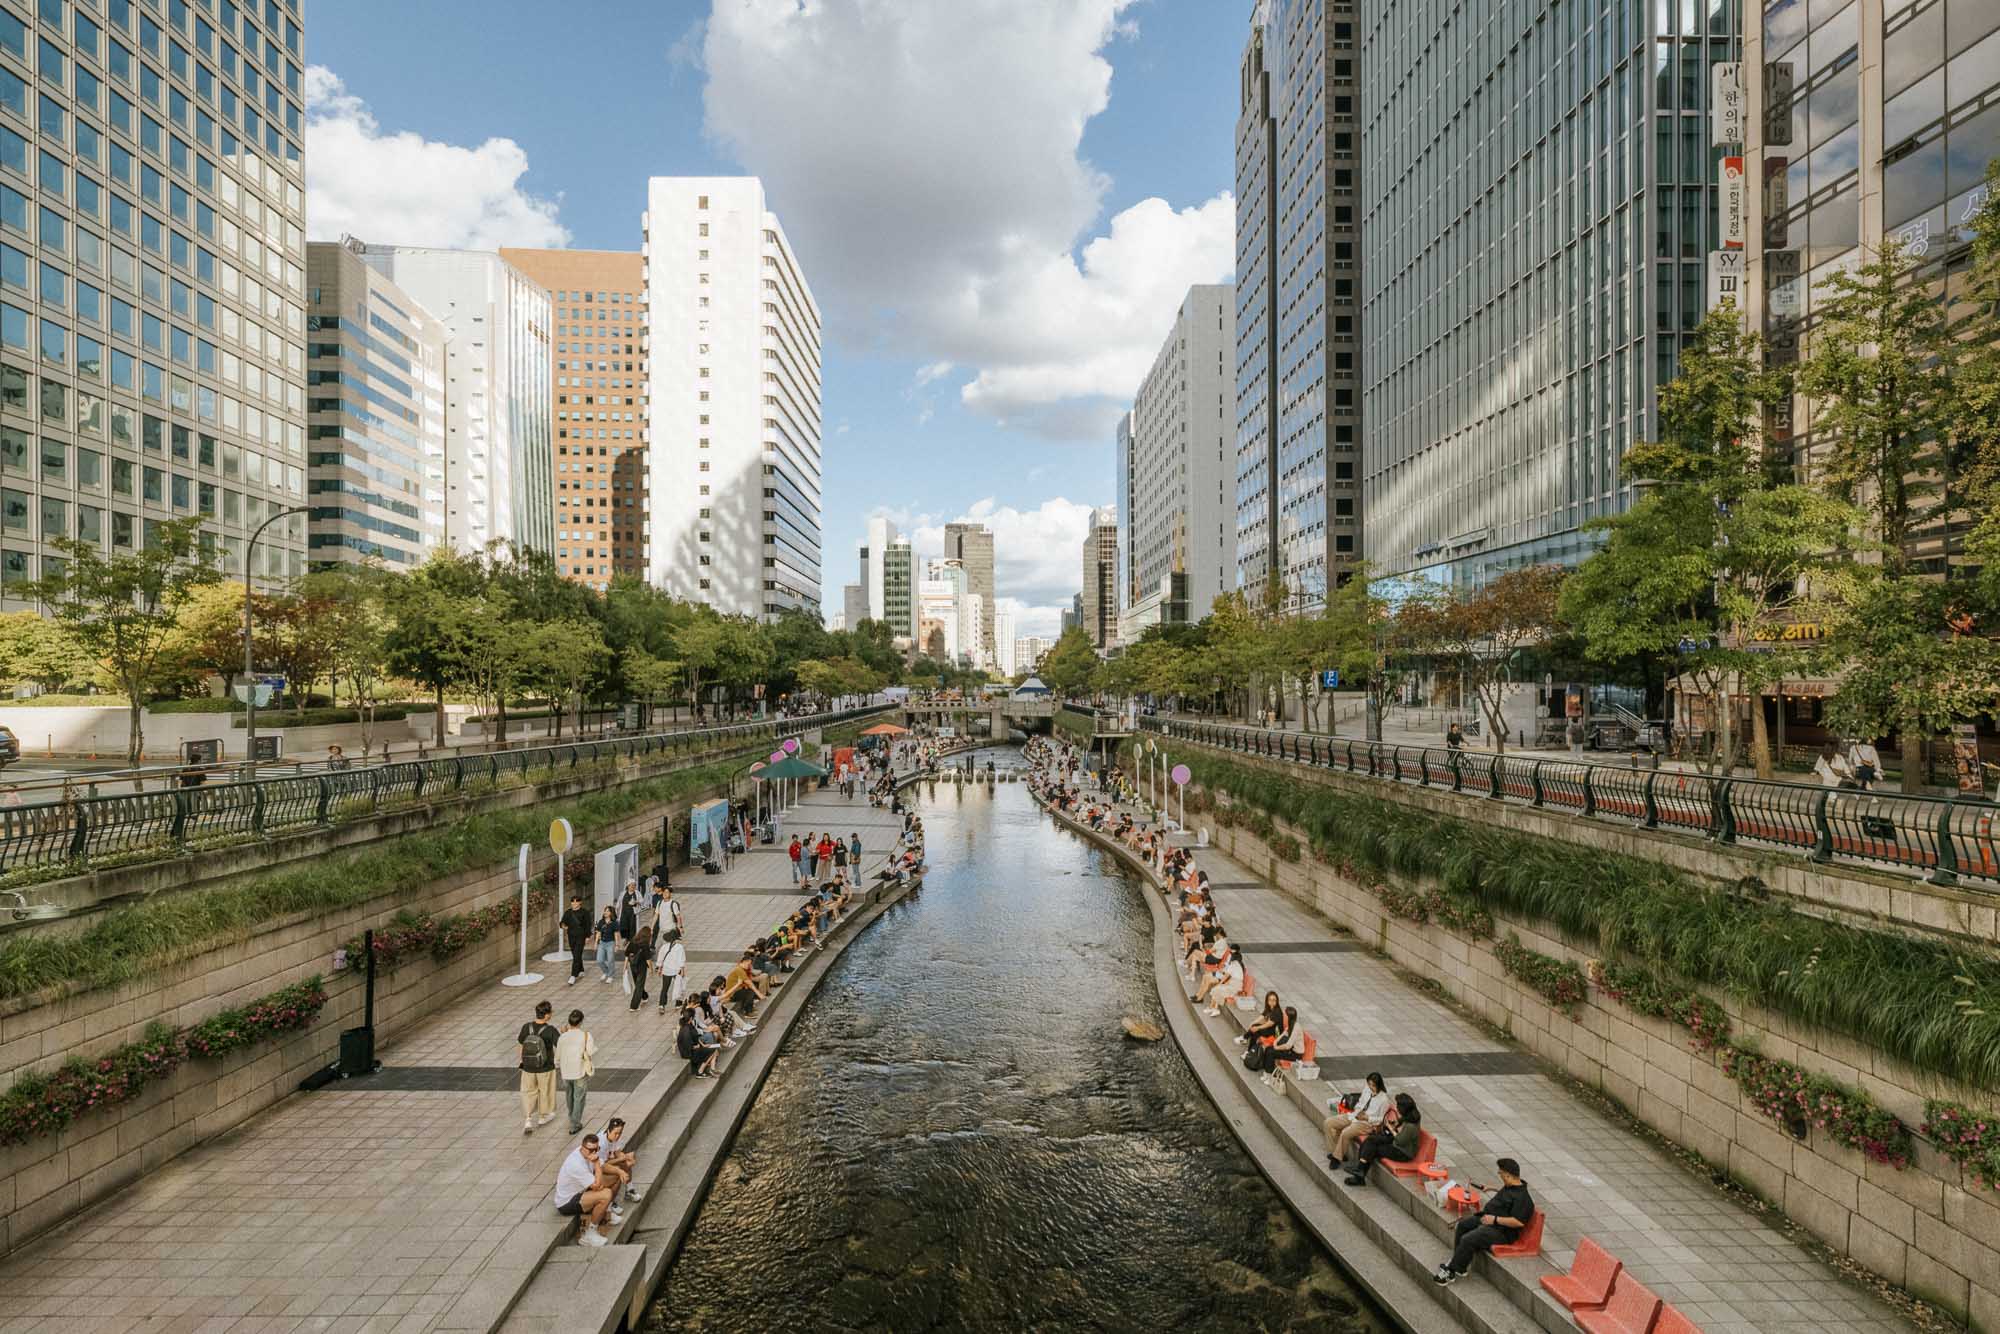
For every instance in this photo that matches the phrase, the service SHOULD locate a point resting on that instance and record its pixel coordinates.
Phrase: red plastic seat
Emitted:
(1632, 1309)
(1527, 1242)
(1427, 1147)
(1673, 1322)
(1590, 1276)
(1306, 1051)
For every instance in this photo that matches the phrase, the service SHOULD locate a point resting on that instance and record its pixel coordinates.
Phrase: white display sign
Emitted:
(1726, 102)
(1729, 202)
(1725, 278)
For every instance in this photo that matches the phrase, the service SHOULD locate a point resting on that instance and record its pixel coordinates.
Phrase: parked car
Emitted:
(10, 746)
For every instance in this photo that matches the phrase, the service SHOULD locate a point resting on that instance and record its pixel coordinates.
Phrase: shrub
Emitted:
(1895, 992)
(1560, 982)
(1789, 1093)
(202, 705)
(1286, 847)
(407, 935)
(39, 1105)
(68, 702)
(384, 713)
(1648, 992)
(1434, 905)
(1966, 1137)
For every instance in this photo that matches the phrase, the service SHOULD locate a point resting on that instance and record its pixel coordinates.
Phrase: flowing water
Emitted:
(957, 1136)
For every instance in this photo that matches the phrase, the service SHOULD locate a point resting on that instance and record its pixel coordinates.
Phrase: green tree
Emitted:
(122, 609)
(41, 651)
(1480, 632)
(209, 634)
(354, 601)
(429, 637)
(561, 660)
(1069, 667)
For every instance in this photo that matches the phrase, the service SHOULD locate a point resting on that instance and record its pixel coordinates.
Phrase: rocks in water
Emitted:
(1141, 1030)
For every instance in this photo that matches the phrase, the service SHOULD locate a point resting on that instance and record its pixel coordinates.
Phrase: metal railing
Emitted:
(1945, 840)
(83, 832)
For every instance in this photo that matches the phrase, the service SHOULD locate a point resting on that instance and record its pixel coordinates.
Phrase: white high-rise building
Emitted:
(498, 464)
(1028, 651)
(880, 534)
(1003, 639)
(1177, 536)
(733, 382)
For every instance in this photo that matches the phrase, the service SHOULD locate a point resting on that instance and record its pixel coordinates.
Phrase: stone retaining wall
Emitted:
(46, 1180)
(1929, 1228)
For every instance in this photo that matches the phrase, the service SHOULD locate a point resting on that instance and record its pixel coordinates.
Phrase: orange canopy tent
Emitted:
(886, 729)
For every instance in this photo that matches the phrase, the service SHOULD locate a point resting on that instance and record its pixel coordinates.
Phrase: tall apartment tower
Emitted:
(971, 544)
(1542, 190)
(1177, 527)
(734, 383)
(1099, 610)
(599, 390)
(498, 460)
(1298, 158)
(1870, 125)
(154, 320)
(376, 427)
(899, 589)
(873, 553)
(1256, 457)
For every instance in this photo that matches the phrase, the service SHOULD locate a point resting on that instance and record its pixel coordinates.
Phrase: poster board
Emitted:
(610, 869)
(708, 826)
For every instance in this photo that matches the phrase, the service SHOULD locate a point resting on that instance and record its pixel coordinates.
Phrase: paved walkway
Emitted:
(373, 1204)
(1723, 1266)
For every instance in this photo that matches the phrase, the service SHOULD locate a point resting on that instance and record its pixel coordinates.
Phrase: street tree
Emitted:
(1479, 633)
(121, 609)
(37, 650)
(561, 660)
(1070, 667)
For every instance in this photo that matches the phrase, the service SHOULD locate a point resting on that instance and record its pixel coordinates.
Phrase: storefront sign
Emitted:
(1726, 102)
(1965, 759)
(1778, 103)
(1729, 202)
(1777, 201)
(1725, 278)
(1798, 632)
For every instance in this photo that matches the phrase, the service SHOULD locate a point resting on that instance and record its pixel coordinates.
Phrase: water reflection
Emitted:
(957, 1137)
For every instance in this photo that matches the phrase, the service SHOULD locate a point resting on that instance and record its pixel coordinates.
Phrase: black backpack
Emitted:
(536, 1055)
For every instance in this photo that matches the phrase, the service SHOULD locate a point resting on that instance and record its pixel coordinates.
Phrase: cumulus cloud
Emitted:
(402, 188)
(927, 162)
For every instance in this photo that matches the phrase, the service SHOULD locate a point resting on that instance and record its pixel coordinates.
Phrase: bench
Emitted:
(1590, 1276)
(1427, 1147)
(1673, 1322)
(1632, 1309)
(1527, 1242)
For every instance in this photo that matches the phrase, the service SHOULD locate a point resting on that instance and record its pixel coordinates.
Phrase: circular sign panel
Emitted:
(560, 835)
(1181, 775)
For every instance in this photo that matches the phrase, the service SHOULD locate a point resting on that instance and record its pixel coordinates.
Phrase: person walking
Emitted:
(673, 969)
(628, 914)
(576, 930)
(668, 918)
(607, 943)
(576, 1060)
(637, 955)
(537, 1040)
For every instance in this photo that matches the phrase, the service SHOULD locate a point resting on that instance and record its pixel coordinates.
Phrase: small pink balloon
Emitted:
(777, 755)
(791, 745)
(755, 767)
(1181, 775)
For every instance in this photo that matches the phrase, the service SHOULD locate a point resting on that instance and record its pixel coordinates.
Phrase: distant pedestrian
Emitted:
(576, 931)
(854, 851)
(673, 969)
(576, 1060)
(668, 918)
(637, 955)
(812, 857)
(336, 758)
(607, 943)
(537, 1039)
(798, 863)
(628, 914)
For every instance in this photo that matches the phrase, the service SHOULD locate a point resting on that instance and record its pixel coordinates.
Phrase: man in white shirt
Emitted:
(576, 1059)
(582, 1192)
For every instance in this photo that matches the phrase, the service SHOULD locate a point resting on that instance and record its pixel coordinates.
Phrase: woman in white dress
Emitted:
(672, 963)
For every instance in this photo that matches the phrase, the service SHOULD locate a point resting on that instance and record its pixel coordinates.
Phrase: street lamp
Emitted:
(249, 666)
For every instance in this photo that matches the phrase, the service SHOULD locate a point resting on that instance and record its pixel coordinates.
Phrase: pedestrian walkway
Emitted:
(376, 1204)
(1725, 1268)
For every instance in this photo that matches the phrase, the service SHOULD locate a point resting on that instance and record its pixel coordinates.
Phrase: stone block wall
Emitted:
(46, 1180)
(1929, 1228)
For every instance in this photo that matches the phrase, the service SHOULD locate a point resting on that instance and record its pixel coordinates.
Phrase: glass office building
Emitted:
(152, 277)
(1541, 191)
(1256, 335)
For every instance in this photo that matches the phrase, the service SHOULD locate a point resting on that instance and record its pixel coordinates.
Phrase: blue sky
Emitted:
(924, 158)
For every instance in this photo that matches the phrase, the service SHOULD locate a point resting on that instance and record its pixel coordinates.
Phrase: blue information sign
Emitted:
(1330, 679)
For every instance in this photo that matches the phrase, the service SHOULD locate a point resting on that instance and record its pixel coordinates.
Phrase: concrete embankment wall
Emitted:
(1930, 1227)
(48, 1179)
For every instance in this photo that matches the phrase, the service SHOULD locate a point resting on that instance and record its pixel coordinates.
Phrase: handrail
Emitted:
(1945, 840)
(81, 831)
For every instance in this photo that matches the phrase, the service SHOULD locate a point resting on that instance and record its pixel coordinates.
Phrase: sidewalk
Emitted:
(1724, 1267)
(374, 1204)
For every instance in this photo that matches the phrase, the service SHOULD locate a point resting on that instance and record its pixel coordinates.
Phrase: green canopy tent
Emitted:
(790, 767)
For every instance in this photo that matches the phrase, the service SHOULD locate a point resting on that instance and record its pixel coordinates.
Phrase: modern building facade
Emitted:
(375, 429)
(1869, 125)
(1098, 609)
(598, 387)
(499, 465)
(899, 587)
(1028, 651)
(1256, 319)
(853, 605)
(881, 533)
(734, 383)
(152, 281)
(1540, 211)
(1177, 517)
(971, 544)
(1003, 643)
(1297, 366)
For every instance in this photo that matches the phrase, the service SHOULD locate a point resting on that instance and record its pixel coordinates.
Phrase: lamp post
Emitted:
(249, 665)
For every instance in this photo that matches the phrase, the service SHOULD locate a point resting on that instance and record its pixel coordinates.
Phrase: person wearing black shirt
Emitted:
(1502, 1218)
(538, 1040)
(638, 954)
(576, 929)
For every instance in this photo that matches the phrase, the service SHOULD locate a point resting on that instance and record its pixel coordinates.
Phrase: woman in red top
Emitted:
(825, 851)
(798, 862)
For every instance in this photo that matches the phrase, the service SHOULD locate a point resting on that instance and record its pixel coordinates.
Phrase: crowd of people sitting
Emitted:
(1362, 1128)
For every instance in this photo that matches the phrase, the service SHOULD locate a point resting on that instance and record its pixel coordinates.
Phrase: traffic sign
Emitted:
(1330, 679)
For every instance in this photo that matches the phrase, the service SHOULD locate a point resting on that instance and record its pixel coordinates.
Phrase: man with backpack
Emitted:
(538, 1039)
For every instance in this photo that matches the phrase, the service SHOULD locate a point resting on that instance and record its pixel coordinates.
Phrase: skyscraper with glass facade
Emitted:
(152, 278)
(1256, 328)
(1868, 122)
(1541, 193)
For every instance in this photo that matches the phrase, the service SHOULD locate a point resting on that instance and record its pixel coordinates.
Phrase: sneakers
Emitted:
(545, 1118)
(1445, 1275)
(1212, 1012)
(1241, 1040)
(617, 1217)
(592, 1237)
(528, 1126)
(632, 1193)
(572, 980)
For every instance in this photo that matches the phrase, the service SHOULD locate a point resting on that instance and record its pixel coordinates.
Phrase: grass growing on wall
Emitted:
(1934, 1007)
(131, 941)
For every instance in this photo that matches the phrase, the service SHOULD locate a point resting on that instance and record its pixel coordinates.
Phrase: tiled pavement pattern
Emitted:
(370, 1205)
(1725, 1268)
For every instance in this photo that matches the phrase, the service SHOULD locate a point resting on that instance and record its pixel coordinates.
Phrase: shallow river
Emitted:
(956, 1135)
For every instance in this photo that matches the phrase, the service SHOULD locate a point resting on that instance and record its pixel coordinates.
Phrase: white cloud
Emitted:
(926, 160)
(1037, 553)
(405, 189)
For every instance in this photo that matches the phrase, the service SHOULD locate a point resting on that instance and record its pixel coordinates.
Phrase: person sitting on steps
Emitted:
(1222, 984)
(1396, 1139)
(1342, 1129)
(1506, 1212)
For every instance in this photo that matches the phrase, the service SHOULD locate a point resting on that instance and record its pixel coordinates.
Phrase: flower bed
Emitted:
(1647, 992)
(1432, 905)
(39, 1105)
(1789, 1094)
(1559, 981)
(1967, 1138)
(407, 934)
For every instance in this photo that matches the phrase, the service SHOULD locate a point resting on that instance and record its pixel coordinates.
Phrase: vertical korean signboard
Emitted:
(1725, 278)
(1725, 103)
(1729, 201)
